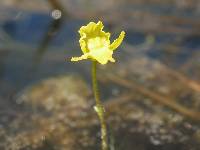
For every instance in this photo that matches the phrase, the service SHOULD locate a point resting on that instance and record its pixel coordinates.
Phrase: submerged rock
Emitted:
(57, 114)
(47, 113)
(56, 94)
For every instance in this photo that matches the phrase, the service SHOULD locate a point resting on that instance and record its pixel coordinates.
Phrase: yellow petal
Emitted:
(91, 31)
(102, 55)
(85, 56)
(118, 41)
(83, 44)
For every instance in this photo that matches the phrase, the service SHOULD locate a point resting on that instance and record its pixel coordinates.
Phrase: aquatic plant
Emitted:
(96, 46)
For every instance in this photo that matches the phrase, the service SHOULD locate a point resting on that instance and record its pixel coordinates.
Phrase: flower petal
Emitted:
(83, 44)
(102, 55)
(84, 56)
(118, 41)
(92, 30)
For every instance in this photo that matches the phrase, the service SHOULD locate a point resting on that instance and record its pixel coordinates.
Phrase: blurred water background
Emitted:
(38, 38)
(29, 32)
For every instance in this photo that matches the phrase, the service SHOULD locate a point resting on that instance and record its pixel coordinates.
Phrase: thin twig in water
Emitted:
(194, 85)
(156, 97)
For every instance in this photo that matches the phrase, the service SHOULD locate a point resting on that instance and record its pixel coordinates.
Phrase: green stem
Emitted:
(99, 108)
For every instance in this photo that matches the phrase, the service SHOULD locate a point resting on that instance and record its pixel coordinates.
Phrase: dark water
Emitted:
(38, 45)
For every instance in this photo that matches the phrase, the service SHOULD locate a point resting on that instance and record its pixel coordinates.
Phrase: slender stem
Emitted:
(99, 108)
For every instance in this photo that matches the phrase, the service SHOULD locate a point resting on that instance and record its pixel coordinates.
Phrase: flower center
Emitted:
(97, 43)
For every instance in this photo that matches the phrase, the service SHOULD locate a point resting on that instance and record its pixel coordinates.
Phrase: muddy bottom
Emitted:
(57, 114)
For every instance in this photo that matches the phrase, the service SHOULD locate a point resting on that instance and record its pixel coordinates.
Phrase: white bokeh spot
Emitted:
(56, 14)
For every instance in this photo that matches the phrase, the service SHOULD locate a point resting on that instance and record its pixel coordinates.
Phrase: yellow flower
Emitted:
(95, 43)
